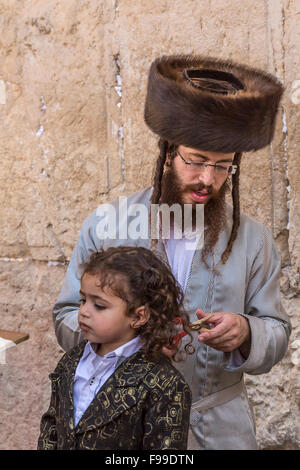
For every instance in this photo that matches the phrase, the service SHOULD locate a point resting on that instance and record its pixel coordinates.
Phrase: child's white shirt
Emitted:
(94, 370)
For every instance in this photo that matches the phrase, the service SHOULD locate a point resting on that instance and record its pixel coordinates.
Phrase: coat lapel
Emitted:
(119, 393)
(65, 380)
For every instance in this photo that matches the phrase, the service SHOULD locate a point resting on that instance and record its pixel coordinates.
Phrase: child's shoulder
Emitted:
(165, 366)
(70, 356)
(165, 380)
(160, 373)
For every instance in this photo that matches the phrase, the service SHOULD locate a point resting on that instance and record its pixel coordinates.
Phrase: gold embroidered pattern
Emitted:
(143, 405)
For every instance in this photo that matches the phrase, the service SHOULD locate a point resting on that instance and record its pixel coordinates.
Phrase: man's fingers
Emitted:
(213, 318)
(222, 332)
(207, 338)
(197, 324)
(226, 342)
(219, 331)
(200, 314)
(223, 339)
(229, 332)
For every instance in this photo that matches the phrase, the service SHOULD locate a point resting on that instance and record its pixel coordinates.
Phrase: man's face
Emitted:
(198, 185)
(191, 184)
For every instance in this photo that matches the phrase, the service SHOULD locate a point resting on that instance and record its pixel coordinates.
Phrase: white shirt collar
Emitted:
(124, 350)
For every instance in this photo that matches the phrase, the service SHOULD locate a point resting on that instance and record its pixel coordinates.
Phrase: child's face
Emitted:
(102, 317)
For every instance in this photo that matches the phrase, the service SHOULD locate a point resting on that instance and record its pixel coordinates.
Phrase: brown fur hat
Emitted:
(211, 104)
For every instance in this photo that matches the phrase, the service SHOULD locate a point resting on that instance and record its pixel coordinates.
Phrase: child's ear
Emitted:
(168, 159)
(140, 317)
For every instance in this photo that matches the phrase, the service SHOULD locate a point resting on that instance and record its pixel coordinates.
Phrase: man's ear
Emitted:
(140, 317)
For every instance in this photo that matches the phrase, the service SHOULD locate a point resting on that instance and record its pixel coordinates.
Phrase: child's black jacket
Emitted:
(143, 405)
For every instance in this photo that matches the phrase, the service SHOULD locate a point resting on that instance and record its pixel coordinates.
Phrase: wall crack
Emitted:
(120, 134)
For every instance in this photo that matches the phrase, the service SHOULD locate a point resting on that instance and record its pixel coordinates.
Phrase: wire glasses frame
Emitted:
(200, 166)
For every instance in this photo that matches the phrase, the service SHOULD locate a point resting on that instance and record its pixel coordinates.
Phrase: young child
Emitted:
(116, 390)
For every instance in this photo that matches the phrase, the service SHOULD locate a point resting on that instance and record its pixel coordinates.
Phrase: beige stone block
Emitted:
(55, 125)
(291, 46)
(27, 293)
(275, 396)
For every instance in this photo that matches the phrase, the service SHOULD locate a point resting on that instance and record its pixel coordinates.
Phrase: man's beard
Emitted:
(214, 209)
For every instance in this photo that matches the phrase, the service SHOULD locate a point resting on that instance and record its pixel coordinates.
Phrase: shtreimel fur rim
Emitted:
(185, 115)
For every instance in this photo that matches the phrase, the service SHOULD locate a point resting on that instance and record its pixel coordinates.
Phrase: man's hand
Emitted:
(230, 331)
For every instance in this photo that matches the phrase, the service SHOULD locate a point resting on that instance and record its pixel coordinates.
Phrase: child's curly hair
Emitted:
(140, 278)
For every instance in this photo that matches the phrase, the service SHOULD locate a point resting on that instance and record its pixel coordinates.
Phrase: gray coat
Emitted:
(248, 284)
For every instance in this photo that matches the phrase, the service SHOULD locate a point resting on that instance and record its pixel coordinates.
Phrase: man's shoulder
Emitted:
(249, 226)
(250, 223)
(114, 206)
(139, 197)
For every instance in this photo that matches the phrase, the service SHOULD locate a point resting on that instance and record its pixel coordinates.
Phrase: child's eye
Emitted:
(81, 301)
(99, 307)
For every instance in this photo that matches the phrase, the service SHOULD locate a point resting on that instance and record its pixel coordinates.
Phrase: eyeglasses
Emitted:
(200, 166)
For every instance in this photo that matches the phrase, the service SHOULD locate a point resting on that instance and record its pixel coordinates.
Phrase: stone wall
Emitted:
(72, 85)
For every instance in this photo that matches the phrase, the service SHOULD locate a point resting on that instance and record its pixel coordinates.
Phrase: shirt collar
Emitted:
(124, 350)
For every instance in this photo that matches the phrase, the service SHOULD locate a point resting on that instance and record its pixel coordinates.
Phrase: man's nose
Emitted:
(207, 175)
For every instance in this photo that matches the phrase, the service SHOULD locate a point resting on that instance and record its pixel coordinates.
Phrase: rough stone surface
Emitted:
(27, 291)
(72, 85)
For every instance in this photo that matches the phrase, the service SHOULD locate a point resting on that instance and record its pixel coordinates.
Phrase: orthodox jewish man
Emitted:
(206, 113)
